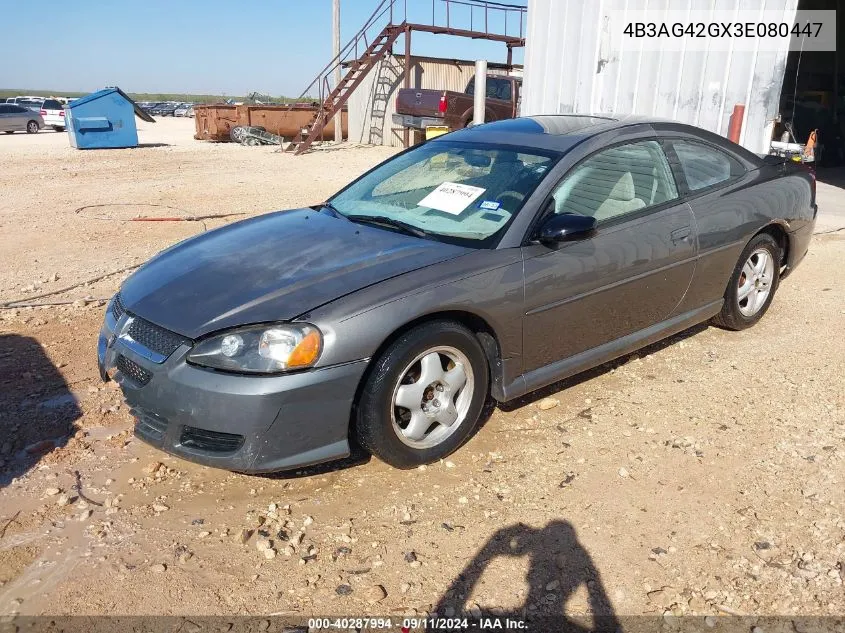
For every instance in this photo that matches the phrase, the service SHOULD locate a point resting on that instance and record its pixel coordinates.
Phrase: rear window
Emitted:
(496, 88)
(51, 104)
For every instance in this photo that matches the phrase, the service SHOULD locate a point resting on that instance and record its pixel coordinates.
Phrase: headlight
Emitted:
(260, 349)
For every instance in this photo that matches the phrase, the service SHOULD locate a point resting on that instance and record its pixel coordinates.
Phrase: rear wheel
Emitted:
(424, 395)
(32, 127)
(753, 284)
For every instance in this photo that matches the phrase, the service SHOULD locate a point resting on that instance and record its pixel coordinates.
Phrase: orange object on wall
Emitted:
(735, 125)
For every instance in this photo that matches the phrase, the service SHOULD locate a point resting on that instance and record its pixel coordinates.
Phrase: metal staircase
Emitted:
(332, 100)
(335, 100)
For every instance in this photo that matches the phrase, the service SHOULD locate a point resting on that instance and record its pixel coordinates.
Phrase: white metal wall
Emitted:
(373, 103)
(568, 68)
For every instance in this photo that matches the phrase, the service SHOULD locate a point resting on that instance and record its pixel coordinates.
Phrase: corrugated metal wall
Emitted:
(373, 103)
(568, 68)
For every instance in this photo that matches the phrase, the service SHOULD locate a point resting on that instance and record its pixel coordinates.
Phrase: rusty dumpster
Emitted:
(215, 122)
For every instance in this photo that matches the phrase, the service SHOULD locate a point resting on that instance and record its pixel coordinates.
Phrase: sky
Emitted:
(227, 47)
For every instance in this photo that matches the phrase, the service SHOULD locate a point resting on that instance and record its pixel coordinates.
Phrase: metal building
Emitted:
(372, 105)
(569, 67)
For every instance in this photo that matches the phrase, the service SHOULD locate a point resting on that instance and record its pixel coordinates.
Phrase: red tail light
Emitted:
(61, 113)
(43, 112)
(442, 106)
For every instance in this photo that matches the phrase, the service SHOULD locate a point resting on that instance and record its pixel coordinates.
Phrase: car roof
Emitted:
(561, 132)
(548, 131)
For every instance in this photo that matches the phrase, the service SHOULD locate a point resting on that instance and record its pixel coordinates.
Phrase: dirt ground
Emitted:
(703, 475)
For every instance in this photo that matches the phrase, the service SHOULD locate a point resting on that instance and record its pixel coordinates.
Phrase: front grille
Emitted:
(117, 308)
(155, 338)
(210, 441)
(149, 425)
(133, 370)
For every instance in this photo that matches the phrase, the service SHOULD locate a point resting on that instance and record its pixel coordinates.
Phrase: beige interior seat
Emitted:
(621, 199)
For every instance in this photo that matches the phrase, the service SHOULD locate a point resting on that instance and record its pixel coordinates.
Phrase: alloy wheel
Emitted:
(432, 397)
(755, 282)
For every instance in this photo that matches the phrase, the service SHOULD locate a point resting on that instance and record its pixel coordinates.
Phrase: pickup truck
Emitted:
(421, 108)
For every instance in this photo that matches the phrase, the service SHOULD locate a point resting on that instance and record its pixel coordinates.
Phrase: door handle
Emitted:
(680, 235)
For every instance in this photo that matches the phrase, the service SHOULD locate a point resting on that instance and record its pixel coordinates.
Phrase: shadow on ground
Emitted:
(833, 176)
(38, 412)
(577, 379)
(558, 566)
(359, 456)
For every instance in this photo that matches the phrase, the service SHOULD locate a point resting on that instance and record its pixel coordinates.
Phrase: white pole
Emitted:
(338, 119)
(480, 92)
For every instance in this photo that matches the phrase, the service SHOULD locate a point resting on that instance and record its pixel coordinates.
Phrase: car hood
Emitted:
(273, 267)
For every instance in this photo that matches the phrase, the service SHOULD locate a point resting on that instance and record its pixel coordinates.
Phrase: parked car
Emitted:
(163, 109)
(24, 100)
(17, 118)
(53, 113)
(421, 108)
(488, 262)
(30, 104)
(182, 109)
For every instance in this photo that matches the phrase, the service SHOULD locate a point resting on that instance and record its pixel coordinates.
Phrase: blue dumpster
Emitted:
(105, 118)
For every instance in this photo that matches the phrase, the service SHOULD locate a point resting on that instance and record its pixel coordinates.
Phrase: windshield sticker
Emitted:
(490, 205)
(451, 197)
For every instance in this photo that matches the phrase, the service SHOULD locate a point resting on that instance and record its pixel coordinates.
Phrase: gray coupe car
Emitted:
(483, 264)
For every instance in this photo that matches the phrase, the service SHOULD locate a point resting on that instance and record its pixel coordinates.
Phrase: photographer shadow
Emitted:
(558, 566)
(38, 410)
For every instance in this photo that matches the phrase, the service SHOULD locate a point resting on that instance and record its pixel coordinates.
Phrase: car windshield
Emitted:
(463, 193)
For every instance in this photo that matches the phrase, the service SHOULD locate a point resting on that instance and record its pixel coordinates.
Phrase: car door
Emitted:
(630, 274)
(726, 212)
(18, 118)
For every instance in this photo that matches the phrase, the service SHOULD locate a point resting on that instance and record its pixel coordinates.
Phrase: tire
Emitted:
(385, 429)
(32, 127)
(738, 312)
(58, 128)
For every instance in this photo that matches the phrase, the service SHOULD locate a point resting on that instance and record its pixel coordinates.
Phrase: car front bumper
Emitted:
(250, 424)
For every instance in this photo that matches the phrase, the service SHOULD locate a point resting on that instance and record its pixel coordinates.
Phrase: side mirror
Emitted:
(566, 227)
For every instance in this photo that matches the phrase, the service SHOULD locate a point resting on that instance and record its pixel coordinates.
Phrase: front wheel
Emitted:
(32, 127)
(424, 395)
(753, 284)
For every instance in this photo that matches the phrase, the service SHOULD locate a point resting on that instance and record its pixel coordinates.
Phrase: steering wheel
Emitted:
(510, 196)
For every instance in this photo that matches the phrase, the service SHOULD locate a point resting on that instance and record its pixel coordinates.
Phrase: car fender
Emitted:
(487, 285)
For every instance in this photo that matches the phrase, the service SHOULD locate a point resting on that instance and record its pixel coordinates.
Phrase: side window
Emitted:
(617, 181)
(704, 166)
